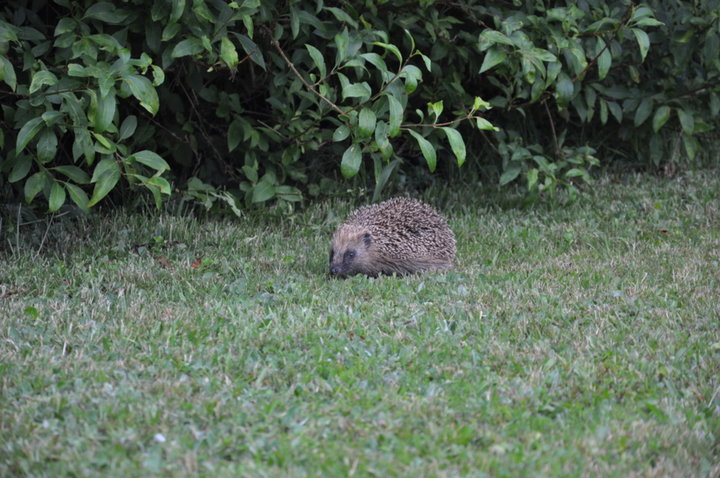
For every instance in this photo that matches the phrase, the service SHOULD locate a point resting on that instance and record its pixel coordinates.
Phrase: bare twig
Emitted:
(17, 230)
(47, 230)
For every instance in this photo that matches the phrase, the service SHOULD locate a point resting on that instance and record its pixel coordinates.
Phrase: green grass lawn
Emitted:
(568, 341)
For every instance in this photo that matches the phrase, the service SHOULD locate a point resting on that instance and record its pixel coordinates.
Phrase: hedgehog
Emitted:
(399, 236)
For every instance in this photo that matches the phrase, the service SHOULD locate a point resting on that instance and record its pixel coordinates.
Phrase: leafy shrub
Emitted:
(252, 103)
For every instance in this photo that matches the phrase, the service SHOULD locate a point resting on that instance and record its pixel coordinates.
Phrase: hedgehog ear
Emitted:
(367, 239)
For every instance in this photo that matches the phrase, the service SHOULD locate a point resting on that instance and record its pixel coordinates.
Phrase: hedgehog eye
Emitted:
(349, 256)
(367, 238)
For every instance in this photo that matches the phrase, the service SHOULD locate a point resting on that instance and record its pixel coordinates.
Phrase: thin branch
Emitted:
(600, 34)
(219, 157)
(590, 63)
(310, 87)
(437, 125)
(552, 129)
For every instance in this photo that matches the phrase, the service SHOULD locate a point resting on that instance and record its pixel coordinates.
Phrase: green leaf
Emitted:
(687, 121)
(366, 122)
(427, 61)
(564, 89)
(104, 111)
(78, 196)
(341, 133)
(74, 173)
(413, 76)
(711, 48)
(178, 7)
(342, 16)
(20, 169)
(377, 61)
(83, 145)
(104, 142)
(7, 73)
(234, 135)
(615, 110)
(106, 42)
(158, 75)
(105, 166)
(391, 48)
(412, 40)
(34, 185)
(342, 40)
(105, 177)
(640, 12)
(169, 31)
(263, 191)
(106, 12)
(575, 172)
(317, 58)
(160, 183)
(489, 38)
(74, 108)
(714, 104)
(485, 125)
(509, 175)
(396, 115)
(65, 25)
(252, 50)
(127, 128)
(643, 42)
(351, 160)
(40, 79)
(604, 61)
(661, 116)
(643, 111)
(479, 103)
(649, 22)
(57, 197)
(27, 133)
(532, 178)
(575, 56)
(52, 117)
(427, 149)
(150, 159)
(691, 146)
(143, 90)
(228, 53)
(357, 90)
(47, 145)
(382, 141)
(201, 11)
(383, 177)
(294, 22)
(77, 70)
(188, 47)
(250, 173)
(494, 56)
(436, 109)
(457, 144)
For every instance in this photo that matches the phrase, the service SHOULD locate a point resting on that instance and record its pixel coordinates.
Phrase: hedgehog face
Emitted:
(349, 253)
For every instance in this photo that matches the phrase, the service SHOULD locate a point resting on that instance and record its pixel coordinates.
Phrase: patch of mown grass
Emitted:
(576, 341)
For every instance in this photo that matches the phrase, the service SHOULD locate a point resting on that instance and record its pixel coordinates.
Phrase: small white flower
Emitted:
(159, 438)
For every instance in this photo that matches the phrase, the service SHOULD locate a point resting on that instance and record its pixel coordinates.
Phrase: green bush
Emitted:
(256, 103)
